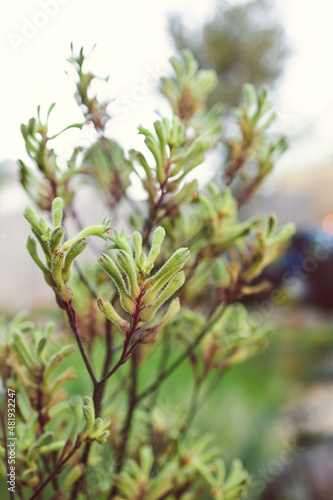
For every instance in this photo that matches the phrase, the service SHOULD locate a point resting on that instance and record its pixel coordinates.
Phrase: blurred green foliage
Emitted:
(243, 42)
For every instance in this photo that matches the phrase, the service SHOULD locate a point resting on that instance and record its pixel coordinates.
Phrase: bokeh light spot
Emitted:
(328, 224)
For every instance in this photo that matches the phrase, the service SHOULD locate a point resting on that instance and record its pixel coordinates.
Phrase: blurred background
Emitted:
(275, 411)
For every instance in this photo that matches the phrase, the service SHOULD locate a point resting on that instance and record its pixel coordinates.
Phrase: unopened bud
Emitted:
(72, 477)
(31, 216)
(89, 415)
(137, 242)
(74, 251)
(110, 267)
(174, 264)
(127, 264)
(55, 239)
(107, 309)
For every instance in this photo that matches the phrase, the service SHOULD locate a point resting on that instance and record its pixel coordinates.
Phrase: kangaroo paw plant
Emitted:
(161, 298)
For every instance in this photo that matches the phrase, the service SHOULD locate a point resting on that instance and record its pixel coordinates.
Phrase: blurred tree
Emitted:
(243, 42)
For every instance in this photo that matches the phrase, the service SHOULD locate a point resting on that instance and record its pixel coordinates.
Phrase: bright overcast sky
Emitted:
(132, 43)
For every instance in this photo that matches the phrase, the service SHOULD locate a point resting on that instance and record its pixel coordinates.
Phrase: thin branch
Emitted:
(42, 429)
(128, 423)
(154, 208)
(165, 353)
(97, 399)
(109, 349)
(166, 373)
(56, 470)
(214, 384)
(193, 407)
(99, 386)
(127, 348)
(199, 402)
(71, 316)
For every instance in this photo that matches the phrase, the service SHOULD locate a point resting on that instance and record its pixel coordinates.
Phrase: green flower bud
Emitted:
(120, 242)
(284, 234)
(272, 223)
(155, 149)
(76, 405)
(136, 155)
(31, 216)
(177, 135)
(55, 239)
(237, 476)
(102, 438)
(40, 348)
(190, 165)
(96, 428)
(98, 431)
(205, 82)
(153, 292)
(32, 249)
(161, 134)
(57, 212)
(56, 268)
(72, 477)
(88, 401)
(33, 453)
(89, 416)
(49, 448)
(147, 314)
(107, 309)
(186, 192)
(43, 225)
(44, 246)
(45, 438)
(166, 124)
(110, 267)
(64, 376)
(137, 242)
(20, 345)
(173, 265)
(30, 477)
(62, 290)
(106, 423)
(142, 261)
(55, 361)
(74, 250)
(249, 93)
(175, 283)
(127, 265)
(175, 171)
(173, 309)
(57, 203)
(57, 217)
(127, 303)
(153, 254)
(200, 145)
